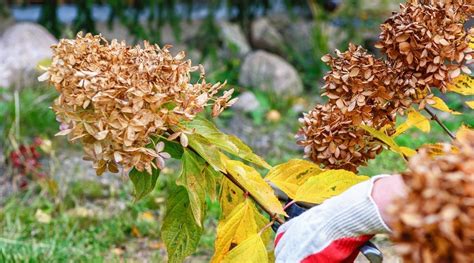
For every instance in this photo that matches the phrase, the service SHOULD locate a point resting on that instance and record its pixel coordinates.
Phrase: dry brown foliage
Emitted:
(114, 98)
(331, 139)
(435, 223)
(426, 46)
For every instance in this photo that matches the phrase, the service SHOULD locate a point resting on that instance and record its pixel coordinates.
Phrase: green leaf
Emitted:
(228, 143)
(174, 149)
(179, 232)
(206, 150)
(193, 178)
(211, 177)
(143, 182)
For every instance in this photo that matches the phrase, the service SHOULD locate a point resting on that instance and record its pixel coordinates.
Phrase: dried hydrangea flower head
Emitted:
(114, 97)
(329, 138)
(427, 44)
(361, 87)
(435, 223)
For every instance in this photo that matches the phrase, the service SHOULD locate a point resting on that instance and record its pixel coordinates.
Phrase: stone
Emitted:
(265, 36)
(22, 47)
(299, 34)
(247, 102)
(234, 39)
(271, 73)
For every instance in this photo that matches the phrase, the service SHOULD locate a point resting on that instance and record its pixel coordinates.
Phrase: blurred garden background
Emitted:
(53, 208)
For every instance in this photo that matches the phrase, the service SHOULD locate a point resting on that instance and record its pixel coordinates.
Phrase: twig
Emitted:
(273, 216)
(435, 118)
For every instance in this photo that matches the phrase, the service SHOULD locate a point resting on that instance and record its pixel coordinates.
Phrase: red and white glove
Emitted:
(333, 231)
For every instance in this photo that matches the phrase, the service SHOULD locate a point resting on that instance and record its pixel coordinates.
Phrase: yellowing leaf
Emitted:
(292, 174)
(233, 230)
(463, 84)
(326, 185)
(207, 151)
(470, 104)
(146, 216)
(441, 105)
(387, 140)
(251, 180)
(252, 250)
(228, 143)
(414, 119)
(230, 197)
(439, 149)
(179, 232)
(42, 217)
(462, 131)
(408, 152)
(193, 178)
(43, 64)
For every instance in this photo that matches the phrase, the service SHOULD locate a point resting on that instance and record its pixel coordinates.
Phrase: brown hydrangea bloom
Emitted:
(329, 138)
(436, 221)
(427, 44)
(114, 97)
(361, 87)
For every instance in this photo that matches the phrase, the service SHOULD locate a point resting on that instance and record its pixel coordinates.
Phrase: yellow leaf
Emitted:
(43, 64)
(146, 216)
(326, 185)
(462, 131)
(42, 217)
(441, 105)
(233, 230)
(251, 180)
(387, 140)
(470, 104)
(463, 84)
(292, 174)
(252, 250)
(230, 197)
(439, 149)
(414, 119)
(408, 152)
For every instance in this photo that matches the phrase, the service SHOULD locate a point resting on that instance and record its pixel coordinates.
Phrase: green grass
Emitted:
(69, 237)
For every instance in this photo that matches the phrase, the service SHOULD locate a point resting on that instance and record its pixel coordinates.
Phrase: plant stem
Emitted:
(435, 118)
(273, 216)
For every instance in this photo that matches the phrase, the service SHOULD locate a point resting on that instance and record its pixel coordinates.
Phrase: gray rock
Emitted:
(22, 46)
(234, 39)
(266, 36)
(299, 34)
(247, 102)
(270, 72)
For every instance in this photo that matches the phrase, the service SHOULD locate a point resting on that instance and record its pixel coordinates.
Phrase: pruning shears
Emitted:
(369, 250)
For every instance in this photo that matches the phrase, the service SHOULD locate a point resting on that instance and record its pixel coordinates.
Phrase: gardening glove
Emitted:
(333, 231)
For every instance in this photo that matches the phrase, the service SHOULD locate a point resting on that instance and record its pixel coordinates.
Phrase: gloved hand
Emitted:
(333, 231)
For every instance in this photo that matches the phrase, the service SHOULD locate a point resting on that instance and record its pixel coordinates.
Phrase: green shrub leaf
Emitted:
(193, 178)
(228, 143)
(143, 182)
(179, 232)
